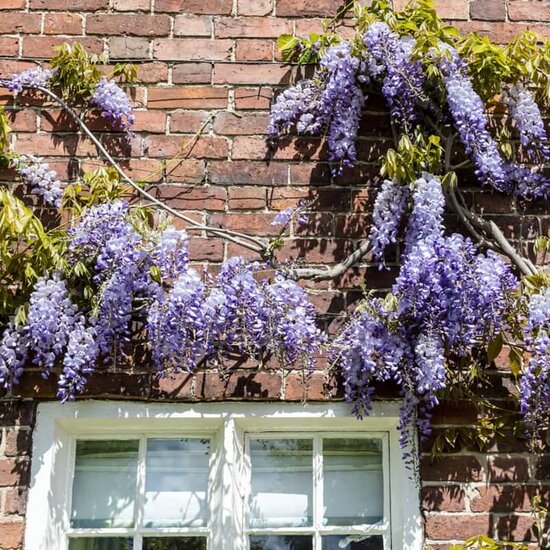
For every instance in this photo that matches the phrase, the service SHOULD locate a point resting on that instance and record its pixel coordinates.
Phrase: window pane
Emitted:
(353, 486)
(176, 481)
(104, 484)
(282, 474)
(281, 542)
(174, 543)
(101, 543)
(353, 542)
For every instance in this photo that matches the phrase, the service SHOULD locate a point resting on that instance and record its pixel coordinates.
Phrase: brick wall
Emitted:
(213, 64)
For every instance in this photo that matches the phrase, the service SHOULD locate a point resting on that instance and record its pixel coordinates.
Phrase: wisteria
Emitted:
(389, 208)
(13, 355)
(528, 121)
(114, 104)
(298, 213)
(42, 179)
(37, 77)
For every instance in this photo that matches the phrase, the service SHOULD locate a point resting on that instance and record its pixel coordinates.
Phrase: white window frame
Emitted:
(228, 425)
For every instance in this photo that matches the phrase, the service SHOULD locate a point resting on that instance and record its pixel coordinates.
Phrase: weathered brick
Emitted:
(173, 386)
(17, 413)
(452, 468)
(192, 198)
(11, 535)
(9, 46)
(246, 198)
(150, 121)
(13, 4)
(132, 5)
(193, 25)
(129, 47)
(507, 498)
(152, 72)
(69, 5)
(201, 250)
(244, 73)
(11, 23)
(238, 124)
(195, 97)
(251, 27)
(117, 24)
(488, 10)
(254, 224)
(246, 172)
(253, 50)
(456, 527)
(203, 147)
(42, 47)
(254, 7)
(508, 469)
(215, 7)
(192, 73)
(22, 120)
(238, 384)
(529, 11)
(303, 387)
(16, 501)
(17, 442)
(63, 23)
(253, 98)
(323, 199)
(186, 170)
(192, 49)
(188, 122)
(443, 499)
(308, 8)
(13, 472)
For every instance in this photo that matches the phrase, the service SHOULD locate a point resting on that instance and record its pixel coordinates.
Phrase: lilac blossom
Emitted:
(389, 208)
(43, 181)
(114, 104)
(37, 77)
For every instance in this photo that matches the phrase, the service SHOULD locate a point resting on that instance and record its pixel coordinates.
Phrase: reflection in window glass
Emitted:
(104, 484)
(353, 485)
(282, 483)
(176, 482)
(281, 542)
(352, 542)
(101, 543)
(174, 543)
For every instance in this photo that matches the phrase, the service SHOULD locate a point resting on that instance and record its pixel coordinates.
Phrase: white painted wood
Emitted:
(58, 426)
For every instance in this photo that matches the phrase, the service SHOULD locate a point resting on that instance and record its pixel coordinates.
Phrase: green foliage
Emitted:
(487, 543)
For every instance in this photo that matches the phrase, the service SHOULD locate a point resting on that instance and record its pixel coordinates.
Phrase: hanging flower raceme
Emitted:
(171, 254)
(13, 355)
(37, 77)
(535, 382)
(114, 104)
(390, 56)
(43, 181)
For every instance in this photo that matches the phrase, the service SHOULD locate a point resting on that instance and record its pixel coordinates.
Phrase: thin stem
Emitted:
(241, 239)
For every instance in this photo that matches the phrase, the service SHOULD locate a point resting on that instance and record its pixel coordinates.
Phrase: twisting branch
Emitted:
(317, 274)
(246, 241)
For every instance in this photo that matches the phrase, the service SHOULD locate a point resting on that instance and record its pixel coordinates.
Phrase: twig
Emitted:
(241, 239)
(317, 274)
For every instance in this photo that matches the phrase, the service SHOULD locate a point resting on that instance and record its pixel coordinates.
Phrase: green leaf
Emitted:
(494, 348)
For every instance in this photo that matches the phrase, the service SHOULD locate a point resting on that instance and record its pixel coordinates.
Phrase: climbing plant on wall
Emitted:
(114, 270)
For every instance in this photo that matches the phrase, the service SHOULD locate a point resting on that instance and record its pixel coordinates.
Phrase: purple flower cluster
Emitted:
(171, 253)
(528, 120)
(389, 208)
(284, 217)
(43, 181)
(535, 382)
(13, 355)
(36, 77)
(403, 81)
(114, 104)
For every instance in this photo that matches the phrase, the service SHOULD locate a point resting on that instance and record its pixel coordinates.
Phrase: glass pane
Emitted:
(353, 542)
(353, 481)
(281, 542)
(176, 481)
(101, 543)
(174, 543)
(104, 484)
(282, 480)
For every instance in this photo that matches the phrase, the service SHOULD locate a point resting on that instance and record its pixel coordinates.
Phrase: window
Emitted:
(239, 476)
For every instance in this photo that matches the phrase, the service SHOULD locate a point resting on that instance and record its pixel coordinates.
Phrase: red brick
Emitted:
(192, 73)
(118, 384)
(457, 412)
(128, 47)
(245, 73)
(192, 49)
(63, 23)
(173, 386)
(324, 199)
(501, 33)
(254, 50)
(195, 97)
(447, 9)
(149, 121)
(16, 501)
(9, 47)
(239, 124)
(17, 442)
(13, 472)
(186, 170)
(215, 7)
(132, 5)
(69, 5)
(11, 535)
(529, 11)
(354, 226)
(17, 413)
(23, 120)
(193, 25)
(13, 4)
(515, 528)
(210, 249)
(443, 499)
(11, 23)
(488, 10)
(317, 250)
(246, 198)
(203, 147)
(49, 145)
(188, 122)
(192, 198)
(308, 8)
(253, 224)
(238, 384)
(251, 173)
(456, 527)
(507, 498)
(452, 468)
(117, 24)
(41, 47)
(508, 469)
(303, 387)
(154, 71)
(253, 98)
(251, 27)
(254, 7)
